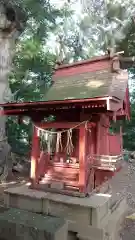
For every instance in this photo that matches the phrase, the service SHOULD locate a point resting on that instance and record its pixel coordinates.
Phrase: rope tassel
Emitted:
(59, 142)
(69, 146)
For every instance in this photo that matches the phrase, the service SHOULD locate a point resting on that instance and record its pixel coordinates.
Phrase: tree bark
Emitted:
(9, 32)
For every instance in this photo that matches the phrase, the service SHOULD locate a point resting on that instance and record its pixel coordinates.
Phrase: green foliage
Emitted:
(116, 22)
(115, 127)
(109, 24)
(19, 136)
(75, 38)
(32, 70)
(33, 65)
(129, 127)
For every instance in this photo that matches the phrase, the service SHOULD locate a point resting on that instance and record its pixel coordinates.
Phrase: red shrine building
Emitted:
(74, 152)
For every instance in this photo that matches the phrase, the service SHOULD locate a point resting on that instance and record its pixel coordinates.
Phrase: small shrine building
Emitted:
(73, 150)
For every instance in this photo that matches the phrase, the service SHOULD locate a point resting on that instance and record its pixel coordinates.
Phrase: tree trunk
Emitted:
(8, 35)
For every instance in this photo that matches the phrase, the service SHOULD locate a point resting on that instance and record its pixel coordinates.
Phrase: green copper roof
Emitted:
(81, 86)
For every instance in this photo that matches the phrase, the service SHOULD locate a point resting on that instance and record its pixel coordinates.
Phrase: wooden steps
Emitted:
(61, 171)
(52, 173)
(63, 181)
(61, 176)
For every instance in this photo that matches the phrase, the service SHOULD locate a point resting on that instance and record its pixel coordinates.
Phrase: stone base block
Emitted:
(87, 211)
(23, 225)
(91, 217)
(89, 233)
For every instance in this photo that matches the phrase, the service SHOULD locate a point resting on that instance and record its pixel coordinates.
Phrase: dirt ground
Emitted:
(16, 179)
(122, 183)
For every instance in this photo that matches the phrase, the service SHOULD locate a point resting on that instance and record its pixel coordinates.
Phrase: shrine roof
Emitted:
(82, 62)
(84, 84)
(80, 86)
(87, 79)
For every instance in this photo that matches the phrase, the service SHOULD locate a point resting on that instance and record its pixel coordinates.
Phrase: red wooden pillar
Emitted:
(82, 159)
(34, 157)
(107, 136)
(92, 170)
(121, 140)
(43, 163)
(98, 138)
(107, 141)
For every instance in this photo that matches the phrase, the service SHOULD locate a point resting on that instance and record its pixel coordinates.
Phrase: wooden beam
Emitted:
(34, 157)
(14, 112)
(46, 110)
(65, 165)
(43, 187)
(19, 106)
(64, 125)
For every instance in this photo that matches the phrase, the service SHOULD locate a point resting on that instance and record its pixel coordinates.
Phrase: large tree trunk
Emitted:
(9, 32)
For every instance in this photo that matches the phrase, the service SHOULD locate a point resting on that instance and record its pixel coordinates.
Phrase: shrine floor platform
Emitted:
(90, 218)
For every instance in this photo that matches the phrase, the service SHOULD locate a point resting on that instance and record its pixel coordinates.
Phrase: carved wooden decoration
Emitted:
(115, 64)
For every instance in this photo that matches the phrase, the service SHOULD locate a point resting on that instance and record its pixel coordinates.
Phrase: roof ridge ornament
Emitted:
(115, 57)
(112, 53)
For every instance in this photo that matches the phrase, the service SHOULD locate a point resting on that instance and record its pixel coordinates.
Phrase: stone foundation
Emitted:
(88, 218)
(20, 224)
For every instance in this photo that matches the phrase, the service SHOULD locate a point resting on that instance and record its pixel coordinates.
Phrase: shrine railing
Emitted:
(106, 162)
